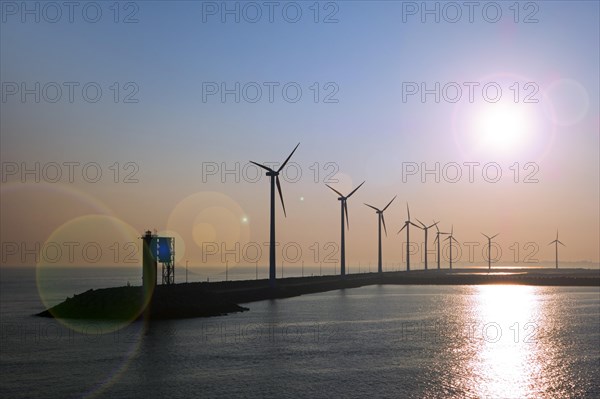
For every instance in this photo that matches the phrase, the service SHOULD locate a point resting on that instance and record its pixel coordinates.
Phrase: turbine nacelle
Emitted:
(275, 174)
(557, 241)
(407, 222)
(380, 212)
(451, 235)
(490, 238)
(344, 200)
(425, 227)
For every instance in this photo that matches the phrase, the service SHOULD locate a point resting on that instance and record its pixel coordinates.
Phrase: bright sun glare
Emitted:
(501, 126)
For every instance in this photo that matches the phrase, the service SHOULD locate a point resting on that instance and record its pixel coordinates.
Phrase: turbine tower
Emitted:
(450, 238)
(490, 250)
(425, 228)
(274, 175)
(556, 242)
(381, 221)
(344, 207)
(407, 224)
(437, 238)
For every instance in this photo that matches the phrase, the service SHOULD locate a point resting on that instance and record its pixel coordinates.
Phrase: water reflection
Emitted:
(458, 344)
(508, 360)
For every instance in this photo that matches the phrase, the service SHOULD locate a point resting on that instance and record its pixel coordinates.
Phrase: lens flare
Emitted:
(86, 242)
(566, 102)
(209, 219)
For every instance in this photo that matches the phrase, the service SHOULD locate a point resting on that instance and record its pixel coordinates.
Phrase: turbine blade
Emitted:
(496, 235)
(556, 234)
(485, 236)
(435, 239)
(417, 226)
(452, 230)
(262, 166)
(280, 195)
(399, 231)
(408, 211)
(561, 243)
(552, 242)
(389, 203)
(383, 220)
(353, 191)
(338, 193)
(288, 158)
(346, 212)
(371, 206)
(436, 226)
(423, 224)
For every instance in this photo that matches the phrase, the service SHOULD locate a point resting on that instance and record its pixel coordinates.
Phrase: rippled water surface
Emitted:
(498, 341)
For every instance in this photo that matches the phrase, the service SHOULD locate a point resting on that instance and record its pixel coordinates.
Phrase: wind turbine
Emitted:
(490, 250)
(274, 175)
(407, 224)
(556, 242)
(425, 228)
(437, 238)
(381, 221)
(450, 238)
(344, 207)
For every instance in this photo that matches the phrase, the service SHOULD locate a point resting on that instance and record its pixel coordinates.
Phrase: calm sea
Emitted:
(379, 341)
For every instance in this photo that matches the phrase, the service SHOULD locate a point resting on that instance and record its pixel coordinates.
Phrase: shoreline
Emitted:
(203, 299)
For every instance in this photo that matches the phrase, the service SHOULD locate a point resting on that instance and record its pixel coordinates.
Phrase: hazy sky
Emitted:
(188, 93)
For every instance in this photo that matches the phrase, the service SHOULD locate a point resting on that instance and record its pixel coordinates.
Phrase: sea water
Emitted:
(494, 341)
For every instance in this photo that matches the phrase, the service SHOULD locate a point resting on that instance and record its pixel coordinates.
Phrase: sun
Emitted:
(501, 127)
(515, 125)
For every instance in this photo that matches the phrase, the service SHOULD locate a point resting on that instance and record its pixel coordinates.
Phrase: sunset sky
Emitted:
(171, 137)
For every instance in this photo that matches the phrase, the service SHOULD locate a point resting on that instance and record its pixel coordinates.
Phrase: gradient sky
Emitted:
(370, 134)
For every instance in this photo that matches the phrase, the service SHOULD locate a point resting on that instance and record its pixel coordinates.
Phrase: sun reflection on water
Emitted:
(507, 361)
